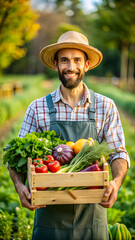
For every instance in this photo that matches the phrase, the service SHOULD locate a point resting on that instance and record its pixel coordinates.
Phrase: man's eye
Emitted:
(64, 60)
(77, 60)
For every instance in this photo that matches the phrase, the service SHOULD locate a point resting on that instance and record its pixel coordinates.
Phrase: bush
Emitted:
(6, 225)
(16, 226)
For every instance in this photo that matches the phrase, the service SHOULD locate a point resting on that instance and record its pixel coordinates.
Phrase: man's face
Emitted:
(71, 67)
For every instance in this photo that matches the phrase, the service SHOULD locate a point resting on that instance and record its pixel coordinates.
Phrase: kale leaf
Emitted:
(35, 145)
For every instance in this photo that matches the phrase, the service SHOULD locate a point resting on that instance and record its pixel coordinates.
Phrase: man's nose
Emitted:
(71, 65)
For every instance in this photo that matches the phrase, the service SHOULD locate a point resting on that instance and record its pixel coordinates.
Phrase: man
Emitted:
(74, 112)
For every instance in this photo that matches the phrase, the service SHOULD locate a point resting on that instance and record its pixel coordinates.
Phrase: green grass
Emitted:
(124, 100)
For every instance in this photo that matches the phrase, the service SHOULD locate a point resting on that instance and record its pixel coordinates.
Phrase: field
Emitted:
(13, 218)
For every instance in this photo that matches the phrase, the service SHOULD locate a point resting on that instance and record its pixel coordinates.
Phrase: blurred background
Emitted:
(25, 28)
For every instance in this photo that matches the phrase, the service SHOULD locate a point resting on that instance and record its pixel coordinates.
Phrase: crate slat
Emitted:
(63, 197)
(73, 179)
(70, 179)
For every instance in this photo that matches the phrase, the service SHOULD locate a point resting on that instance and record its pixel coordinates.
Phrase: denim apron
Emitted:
(72, 221)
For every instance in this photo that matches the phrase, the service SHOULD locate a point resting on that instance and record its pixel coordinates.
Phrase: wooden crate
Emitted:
(74, 179)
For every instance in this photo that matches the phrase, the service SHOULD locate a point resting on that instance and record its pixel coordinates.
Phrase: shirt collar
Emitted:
(86, 96)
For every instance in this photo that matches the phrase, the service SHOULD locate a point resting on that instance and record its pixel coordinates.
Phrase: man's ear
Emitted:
(55, 65)
(87, 65)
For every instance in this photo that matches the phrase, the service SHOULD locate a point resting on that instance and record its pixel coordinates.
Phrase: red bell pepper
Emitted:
(91, 168)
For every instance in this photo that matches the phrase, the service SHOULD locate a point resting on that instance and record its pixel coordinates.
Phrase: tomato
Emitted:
(40, 168)
(54, 166)
(37, 161)
(41, 188)
(48, 159)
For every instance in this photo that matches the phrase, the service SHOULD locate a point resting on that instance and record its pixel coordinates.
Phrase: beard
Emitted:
(69, 82)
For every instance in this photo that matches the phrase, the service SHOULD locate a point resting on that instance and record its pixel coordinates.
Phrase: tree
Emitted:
(116, 23)
(17, 26)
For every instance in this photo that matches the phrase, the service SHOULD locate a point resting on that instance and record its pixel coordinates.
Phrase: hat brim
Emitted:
(47, 53)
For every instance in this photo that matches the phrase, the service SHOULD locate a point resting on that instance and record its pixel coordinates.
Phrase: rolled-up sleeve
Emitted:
(114, 135)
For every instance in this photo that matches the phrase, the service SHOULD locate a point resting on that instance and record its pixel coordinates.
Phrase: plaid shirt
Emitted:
(107, 118)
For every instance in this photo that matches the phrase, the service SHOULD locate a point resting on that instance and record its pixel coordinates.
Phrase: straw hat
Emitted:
(75, 40)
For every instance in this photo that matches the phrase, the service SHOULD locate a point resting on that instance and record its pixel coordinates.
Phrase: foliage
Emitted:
(16, 226)
(64, 27)
(6, 225)
(115, 215)
(126, 196)
(17, 26)
(25, 220)
(116, 20)
(115, 23)
(34, 145)
(8, 199)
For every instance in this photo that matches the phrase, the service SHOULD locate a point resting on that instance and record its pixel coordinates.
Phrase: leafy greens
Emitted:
(35, 145)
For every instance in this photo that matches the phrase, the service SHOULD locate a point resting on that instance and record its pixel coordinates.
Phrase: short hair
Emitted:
(56, 56)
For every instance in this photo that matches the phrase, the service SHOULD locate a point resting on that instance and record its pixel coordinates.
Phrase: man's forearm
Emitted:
(17, 178)
(119, 170)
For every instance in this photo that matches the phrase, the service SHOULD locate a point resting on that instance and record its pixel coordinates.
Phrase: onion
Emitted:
(63, 153)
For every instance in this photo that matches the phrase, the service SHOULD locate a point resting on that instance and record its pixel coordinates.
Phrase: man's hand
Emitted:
(119, 170)
(23, 191)
(25, 197)
(111, 193)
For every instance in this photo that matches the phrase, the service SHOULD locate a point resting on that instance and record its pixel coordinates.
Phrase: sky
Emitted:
(88, 5)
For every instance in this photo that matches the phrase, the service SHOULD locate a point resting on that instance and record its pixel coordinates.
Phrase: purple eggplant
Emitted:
(63, 153)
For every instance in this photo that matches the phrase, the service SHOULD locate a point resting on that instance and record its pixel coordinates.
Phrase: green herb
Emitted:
(35, 145)
(87, 156)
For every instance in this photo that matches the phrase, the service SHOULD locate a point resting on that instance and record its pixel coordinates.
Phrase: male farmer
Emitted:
(74, 112)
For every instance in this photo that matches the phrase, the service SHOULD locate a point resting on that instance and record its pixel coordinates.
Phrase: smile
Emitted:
(70, 75)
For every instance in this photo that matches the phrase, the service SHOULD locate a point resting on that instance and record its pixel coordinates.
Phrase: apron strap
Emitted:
(91, 110)
(52, 110)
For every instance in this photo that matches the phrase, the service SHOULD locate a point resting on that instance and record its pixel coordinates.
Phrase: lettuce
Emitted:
(35, 145)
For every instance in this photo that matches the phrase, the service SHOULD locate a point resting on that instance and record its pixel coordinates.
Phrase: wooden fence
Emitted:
(8, 90)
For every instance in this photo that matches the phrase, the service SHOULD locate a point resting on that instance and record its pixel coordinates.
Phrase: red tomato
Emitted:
(41, 188)
(54, 166)
(48, 159)
(40, 168)
(37, 161)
